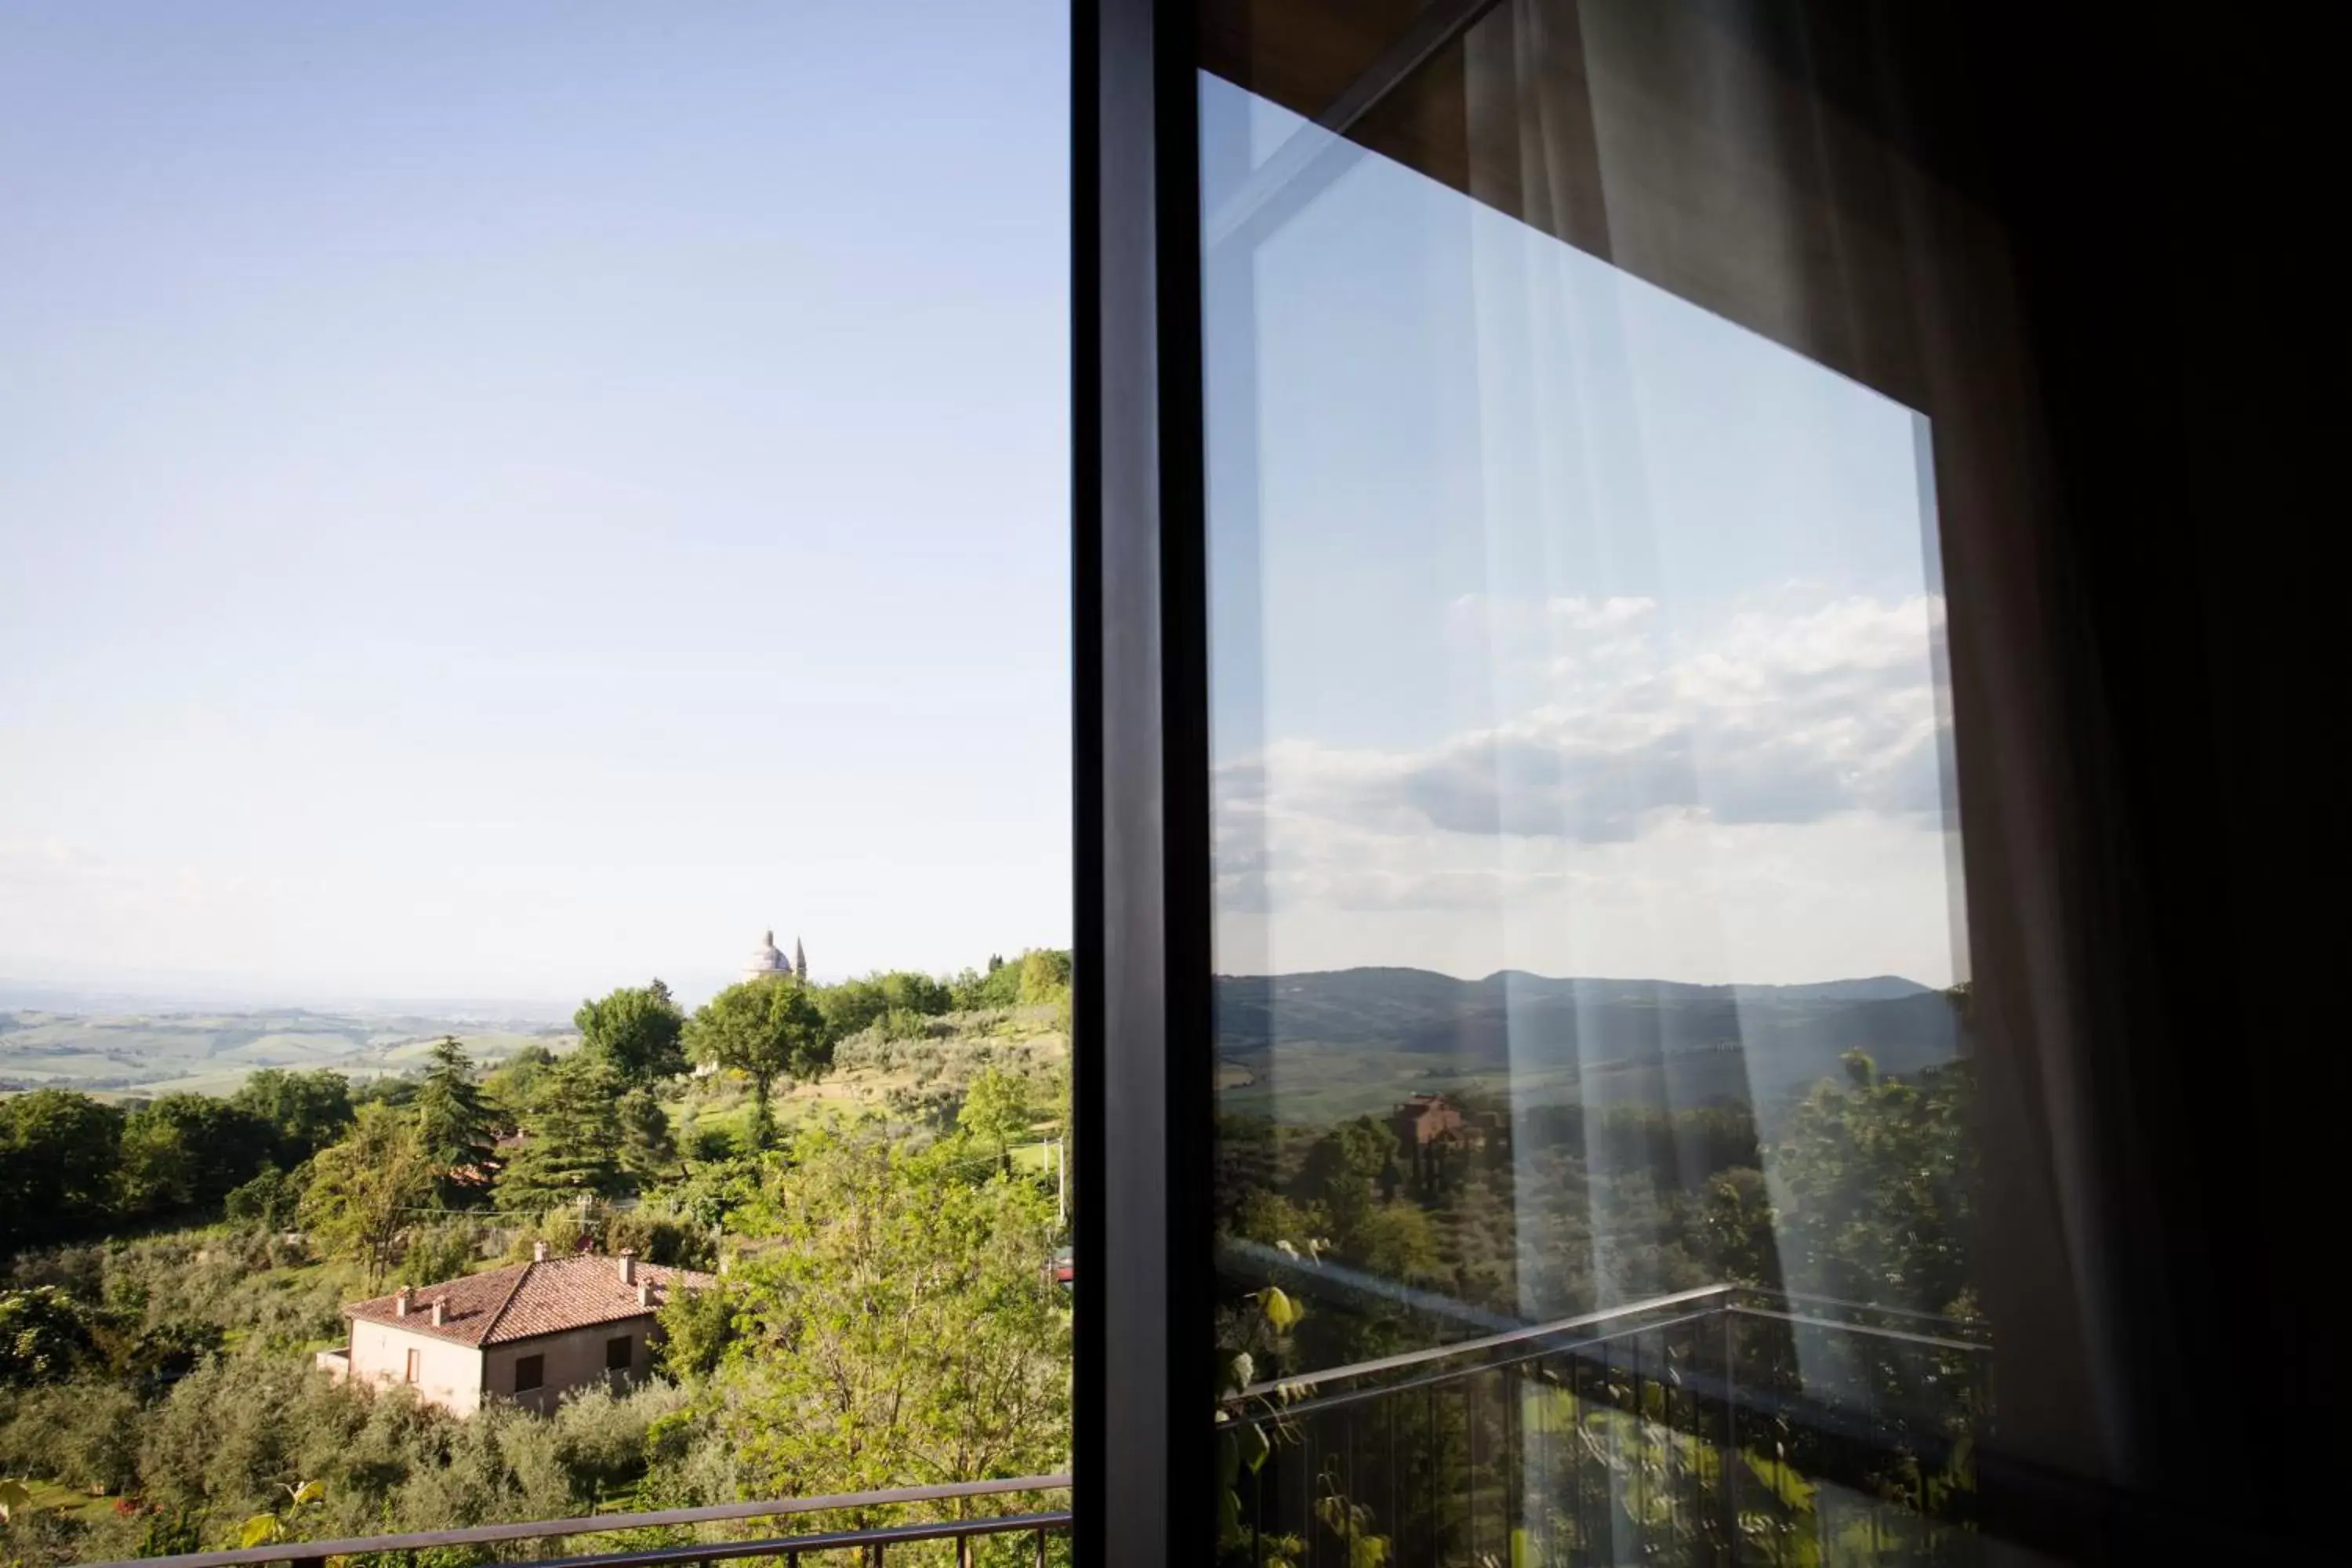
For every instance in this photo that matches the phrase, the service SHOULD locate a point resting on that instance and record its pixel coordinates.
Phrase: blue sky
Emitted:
(1562, 625)
(508, 499)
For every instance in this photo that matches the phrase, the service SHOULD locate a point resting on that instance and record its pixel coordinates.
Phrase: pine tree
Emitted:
(460, 1133)
(649, 1152)
(571, 1140)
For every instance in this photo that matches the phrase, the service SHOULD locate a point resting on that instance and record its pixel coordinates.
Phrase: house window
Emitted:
(415, 1365)
(530, 1372)
(620, 1354)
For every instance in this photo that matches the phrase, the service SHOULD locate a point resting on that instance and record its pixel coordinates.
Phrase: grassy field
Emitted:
(918, 1080)
(212, 1053)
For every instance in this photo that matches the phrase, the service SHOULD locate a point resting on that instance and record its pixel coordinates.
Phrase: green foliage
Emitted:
(439, 1250)
(1735, 1227)
(765, 1029)
(1877, 1178)
(639, 1030)
(45, 1336)
(1044, 975)
(572, 1138)
(1038, 976)
(1341, 1170)
(59, 1150)
(514, 1083)
(459, 1129)
(304, 1111)
(696, 1328)
(364, 1190)
(996, 1110)
(659, 1231)
(648, 1151)
(895, 1324)
(82, 1433)
(248, 1436)
(188, 1151)
(272, 1200)
(901, 995)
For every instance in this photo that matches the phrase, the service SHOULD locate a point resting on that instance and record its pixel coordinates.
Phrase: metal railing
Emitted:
(1721, 1428)
(1037, 1530)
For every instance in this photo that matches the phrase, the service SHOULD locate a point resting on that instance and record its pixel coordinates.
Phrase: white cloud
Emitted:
(1739, 773)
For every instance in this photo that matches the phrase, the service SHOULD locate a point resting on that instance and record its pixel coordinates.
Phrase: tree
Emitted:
(58, 1155)
(514, 1083)
(188, 1151)
(1044, 975)
(649, 1152)
(637, 1029)
(765, 1029)
(996, 1111)
(271, 1201)
(365, 1189)
(572, 1139)
(1339, 1171)
(902, 1331)
(1876, 1181)
(460, 1132)
(305, 1110)
(45, 1336)
(903, 994)
(1734, 1228)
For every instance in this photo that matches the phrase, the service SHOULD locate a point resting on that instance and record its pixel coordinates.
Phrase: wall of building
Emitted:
(574, 1360)
(449, 1375)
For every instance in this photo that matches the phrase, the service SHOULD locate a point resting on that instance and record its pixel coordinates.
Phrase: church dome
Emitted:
(767, 960)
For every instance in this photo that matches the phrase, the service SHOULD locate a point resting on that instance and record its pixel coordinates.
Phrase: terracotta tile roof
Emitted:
(528, 1299)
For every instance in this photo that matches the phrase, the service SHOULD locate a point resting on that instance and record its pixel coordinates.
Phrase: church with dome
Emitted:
(768, 960)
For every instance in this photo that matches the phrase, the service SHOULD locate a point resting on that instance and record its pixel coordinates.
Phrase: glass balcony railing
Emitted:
(1717, 1427)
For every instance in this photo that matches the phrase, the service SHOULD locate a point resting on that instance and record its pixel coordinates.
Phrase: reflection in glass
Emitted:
(1593, 1177)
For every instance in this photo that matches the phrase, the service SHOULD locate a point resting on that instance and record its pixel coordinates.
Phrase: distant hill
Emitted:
(1310, 1046)
(156, 1053)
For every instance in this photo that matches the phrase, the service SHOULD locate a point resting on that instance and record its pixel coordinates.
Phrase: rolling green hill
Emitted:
(1314, 1047)
(156, 1053)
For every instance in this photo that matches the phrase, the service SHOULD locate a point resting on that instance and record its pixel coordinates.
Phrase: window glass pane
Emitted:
(1591, 969)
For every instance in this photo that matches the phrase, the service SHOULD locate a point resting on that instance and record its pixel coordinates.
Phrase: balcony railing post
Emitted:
(1727, 1465)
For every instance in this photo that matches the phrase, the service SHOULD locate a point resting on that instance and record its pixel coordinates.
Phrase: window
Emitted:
(620, 1354)
(1572, 643)
(530, 1373)
(1630, 747)
(415, 1366)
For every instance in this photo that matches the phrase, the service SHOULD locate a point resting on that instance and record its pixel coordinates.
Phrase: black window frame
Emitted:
(1143, 1111)
(626, 1344)
(537, 1365)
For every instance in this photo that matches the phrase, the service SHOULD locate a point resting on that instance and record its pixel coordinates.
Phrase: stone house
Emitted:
(529, 1333)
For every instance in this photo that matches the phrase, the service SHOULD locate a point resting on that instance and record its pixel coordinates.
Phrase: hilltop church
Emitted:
(768, 960)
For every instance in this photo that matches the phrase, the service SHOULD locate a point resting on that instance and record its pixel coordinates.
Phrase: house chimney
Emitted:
(628, 1266)
(401, 1299)
(646, 1294)
(440, 1311)
(539, 1252)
